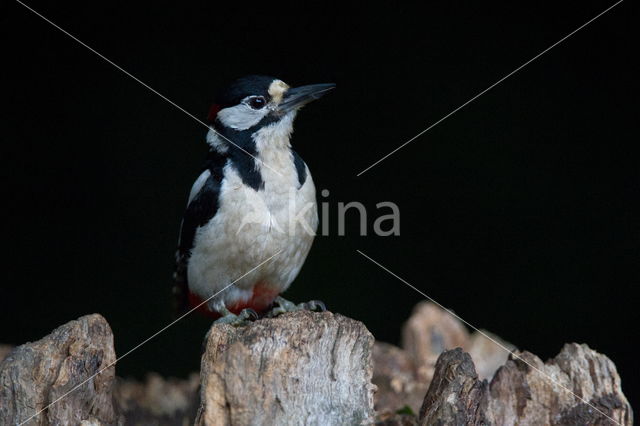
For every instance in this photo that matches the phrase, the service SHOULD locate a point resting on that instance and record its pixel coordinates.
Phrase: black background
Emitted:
(519, 212)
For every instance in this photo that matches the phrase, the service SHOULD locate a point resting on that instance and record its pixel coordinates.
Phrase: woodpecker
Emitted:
(254, 199)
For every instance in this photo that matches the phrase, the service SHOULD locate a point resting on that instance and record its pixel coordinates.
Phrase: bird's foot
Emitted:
(283, 305)
(245, 317)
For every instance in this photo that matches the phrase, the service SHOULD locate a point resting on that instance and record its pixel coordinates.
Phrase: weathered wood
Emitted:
(35, 374)
(4, 351)
(398, 420)
(299, 368)
(487, 356)
(397, 381)
(314, 368)
(430, 330)
(158, 401)
(522, 395)
(455, 396)
(518, 391)
(427, 333)
(403, 375)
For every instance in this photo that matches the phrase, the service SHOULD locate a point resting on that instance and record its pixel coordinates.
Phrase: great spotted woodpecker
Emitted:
(253, 199)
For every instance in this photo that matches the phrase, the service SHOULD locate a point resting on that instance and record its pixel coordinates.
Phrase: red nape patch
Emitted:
(261, 299)
(213, 113)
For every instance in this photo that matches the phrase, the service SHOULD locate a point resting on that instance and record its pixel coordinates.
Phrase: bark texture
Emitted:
(158, 401)
(34, 375)
(300, 368)
(456, 395)
(403, 375)
(397, 381)
(428, 332)
(314, 369)
(4, 351)
(521, 392)
(522, 395)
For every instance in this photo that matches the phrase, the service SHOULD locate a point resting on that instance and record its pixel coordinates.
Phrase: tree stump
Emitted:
(34, 375)
(313, 368)
(427, 333)
(399, 385)
(456, 395)
(298, 368)
(519, 394)
(158, 401)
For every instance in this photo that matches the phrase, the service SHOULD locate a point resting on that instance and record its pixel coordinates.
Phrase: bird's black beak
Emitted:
(298, 97)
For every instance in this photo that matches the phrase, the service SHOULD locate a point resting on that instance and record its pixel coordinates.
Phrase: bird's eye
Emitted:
(257, 102)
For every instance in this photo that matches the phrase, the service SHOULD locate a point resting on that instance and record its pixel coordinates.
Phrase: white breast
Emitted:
(251, 226)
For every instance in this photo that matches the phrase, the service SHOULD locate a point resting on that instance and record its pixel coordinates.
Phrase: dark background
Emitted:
(519, 212)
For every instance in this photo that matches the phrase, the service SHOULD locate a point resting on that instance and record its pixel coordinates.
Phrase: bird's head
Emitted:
(256, 105)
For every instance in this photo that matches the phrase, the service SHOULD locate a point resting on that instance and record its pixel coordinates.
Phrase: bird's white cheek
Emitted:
(241, 117)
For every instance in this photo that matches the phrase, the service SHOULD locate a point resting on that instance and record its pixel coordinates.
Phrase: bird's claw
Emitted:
(315, 305)
(245, 316)
(284, 305)
(249, 314)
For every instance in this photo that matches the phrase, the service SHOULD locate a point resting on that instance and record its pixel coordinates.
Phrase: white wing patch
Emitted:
(198, 184)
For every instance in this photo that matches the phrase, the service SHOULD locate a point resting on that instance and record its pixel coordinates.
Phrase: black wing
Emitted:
(301, 168)
(200, 210)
